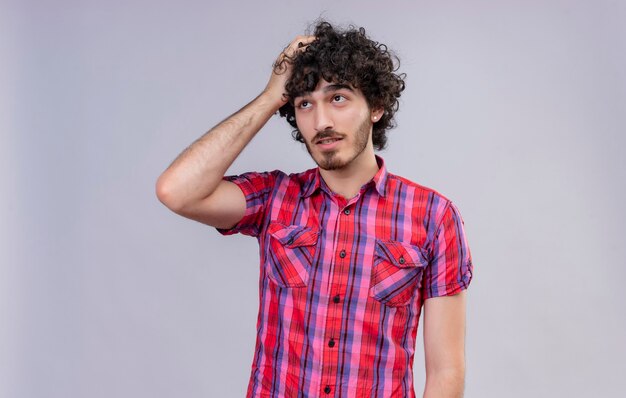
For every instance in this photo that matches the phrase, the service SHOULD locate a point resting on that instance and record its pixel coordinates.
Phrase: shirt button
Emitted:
(342, 254)
(346, 212)
(331, 343)
(327, 389)
(336, 299)
(402, 260)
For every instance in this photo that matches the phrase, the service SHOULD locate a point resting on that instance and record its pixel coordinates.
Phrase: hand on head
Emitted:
(282, 67)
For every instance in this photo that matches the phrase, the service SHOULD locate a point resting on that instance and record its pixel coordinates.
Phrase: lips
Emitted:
(328, 144)
(327, 141)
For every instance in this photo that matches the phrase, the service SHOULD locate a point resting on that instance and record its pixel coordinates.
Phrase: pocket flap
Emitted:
(401, 254)
(293, 235)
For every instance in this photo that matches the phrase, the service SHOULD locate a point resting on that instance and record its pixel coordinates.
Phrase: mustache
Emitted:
(327, 134)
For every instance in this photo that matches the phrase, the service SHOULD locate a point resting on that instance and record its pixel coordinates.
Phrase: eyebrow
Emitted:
(337, 86)
(329, 88)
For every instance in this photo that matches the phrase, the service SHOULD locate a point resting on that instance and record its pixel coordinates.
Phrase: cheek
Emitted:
(299, 120)
(304, 125)
(356, 112)
(354, 119)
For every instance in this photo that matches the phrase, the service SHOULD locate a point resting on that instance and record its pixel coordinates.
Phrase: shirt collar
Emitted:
(379, 180)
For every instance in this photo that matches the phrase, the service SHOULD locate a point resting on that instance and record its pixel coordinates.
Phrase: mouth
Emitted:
(328, 143)
(328, 140)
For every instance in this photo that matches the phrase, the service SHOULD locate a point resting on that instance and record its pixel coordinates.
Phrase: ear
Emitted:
(376, 114)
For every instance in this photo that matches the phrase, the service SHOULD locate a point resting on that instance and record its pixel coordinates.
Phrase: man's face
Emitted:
(335, 122)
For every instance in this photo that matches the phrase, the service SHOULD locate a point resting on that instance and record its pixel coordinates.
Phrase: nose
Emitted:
(323, 119)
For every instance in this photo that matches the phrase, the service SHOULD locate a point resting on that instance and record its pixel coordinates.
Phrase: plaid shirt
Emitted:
(342, 282)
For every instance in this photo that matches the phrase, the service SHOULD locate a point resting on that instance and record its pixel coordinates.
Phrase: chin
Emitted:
(331, 162)
(330, 166)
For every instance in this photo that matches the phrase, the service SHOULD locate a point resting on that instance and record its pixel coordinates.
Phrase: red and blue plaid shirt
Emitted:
(342, 282)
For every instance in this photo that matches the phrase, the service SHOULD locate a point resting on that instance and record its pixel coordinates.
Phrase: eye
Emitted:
(304, 104)
(338, 98)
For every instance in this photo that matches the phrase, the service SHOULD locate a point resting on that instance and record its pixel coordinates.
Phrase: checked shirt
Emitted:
(342, 281)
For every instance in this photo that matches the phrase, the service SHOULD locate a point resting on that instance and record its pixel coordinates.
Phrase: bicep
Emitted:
(224, 208)
(444, 332)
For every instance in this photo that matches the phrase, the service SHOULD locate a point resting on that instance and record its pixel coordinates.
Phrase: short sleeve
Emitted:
(257, 189)
(450, 270)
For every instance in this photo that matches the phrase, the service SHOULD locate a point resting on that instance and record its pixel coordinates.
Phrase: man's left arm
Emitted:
(444, 346)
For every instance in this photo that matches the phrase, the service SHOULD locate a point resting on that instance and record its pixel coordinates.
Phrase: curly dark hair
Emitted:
(346, 57)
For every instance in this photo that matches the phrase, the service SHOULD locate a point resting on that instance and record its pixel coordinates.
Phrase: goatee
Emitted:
(330, 159)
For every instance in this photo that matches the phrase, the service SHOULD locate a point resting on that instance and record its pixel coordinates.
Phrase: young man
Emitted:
(349, 252)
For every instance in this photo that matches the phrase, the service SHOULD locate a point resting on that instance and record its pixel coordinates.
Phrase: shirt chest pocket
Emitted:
(291, 253)
(396, 272)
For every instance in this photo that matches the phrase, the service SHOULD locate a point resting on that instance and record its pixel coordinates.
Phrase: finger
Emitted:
(298, 44)
(301, 41)
(306, 40)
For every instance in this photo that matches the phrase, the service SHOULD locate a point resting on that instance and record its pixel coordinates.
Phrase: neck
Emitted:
(348, 181)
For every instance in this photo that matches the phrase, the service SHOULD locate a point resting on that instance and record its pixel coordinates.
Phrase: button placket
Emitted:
(342, 240)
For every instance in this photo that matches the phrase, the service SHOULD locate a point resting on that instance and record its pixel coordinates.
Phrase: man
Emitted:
(349, 251)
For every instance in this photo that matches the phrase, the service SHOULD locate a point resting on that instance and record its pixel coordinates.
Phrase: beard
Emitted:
(330, 160)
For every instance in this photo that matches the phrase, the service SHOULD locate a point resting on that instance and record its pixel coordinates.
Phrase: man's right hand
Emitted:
(282, 69)
(192, 185)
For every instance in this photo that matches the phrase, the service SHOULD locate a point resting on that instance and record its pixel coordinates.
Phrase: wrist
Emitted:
(273, 98)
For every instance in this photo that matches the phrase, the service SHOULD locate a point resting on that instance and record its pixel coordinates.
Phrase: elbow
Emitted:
(454, 375)
(448, 382)
(166, 195)
(452, 371)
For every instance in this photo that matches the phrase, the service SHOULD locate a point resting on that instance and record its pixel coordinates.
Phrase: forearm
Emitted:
(445, 384)
(198, 170)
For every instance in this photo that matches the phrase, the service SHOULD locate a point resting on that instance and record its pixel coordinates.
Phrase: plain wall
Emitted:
(515, 110)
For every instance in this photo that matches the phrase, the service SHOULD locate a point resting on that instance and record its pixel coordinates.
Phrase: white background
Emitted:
(515, 110)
